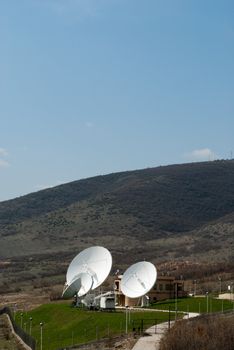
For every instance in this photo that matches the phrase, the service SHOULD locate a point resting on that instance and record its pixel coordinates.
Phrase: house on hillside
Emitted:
(166, 287)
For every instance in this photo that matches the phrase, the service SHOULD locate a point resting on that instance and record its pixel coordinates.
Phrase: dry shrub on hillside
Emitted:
(55, 293)
(202, 333)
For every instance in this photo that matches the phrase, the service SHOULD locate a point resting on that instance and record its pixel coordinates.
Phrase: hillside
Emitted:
(171, 213)
(208, 332)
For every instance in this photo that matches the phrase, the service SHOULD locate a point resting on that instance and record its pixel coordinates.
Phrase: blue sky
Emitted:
(91, 87)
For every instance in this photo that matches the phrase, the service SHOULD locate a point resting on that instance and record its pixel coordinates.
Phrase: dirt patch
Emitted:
(116, 343)
(24, 300)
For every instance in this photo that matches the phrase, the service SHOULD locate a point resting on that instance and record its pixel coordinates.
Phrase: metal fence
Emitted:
(103, 343)
(27, 339)
(140, 326)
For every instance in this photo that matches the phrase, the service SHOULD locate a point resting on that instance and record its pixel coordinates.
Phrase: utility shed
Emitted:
(107, 302)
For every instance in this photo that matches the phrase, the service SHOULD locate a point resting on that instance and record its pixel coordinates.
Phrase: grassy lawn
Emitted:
(64, 325)
(192, 304)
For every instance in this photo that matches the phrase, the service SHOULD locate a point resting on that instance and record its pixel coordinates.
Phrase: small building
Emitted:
(107, 303)
(166, 287)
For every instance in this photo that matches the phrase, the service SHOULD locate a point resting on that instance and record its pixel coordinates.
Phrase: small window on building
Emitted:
(168, 287)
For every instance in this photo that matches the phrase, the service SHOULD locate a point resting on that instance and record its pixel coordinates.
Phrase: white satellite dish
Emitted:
(138, 279)
(95, 262)
(80, 285)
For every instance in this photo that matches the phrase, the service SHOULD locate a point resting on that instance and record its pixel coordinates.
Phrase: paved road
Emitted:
(152, 341)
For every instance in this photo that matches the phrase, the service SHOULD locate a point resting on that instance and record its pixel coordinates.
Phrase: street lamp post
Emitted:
(41, 325)
(15, 308)
(21, 319)
(126, 329)
(195, 288)
(169, 318)
(220, 285)
(230, 291)
(207, 302)
(30, 325)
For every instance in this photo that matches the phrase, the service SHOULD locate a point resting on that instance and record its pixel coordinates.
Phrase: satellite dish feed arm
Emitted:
(140, 281)
(92, 273)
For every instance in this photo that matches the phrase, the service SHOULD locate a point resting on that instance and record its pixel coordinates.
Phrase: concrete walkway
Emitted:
(152, 341)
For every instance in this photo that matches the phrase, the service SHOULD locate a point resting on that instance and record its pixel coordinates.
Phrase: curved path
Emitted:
(152, 341)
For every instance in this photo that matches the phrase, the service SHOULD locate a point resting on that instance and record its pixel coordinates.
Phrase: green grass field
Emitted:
(64, 325)
(199, 305)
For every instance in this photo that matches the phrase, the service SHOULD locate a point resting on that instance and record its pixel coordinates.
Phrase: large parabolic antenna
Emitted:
(80, 285)
(92, 264)
(138, 279)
